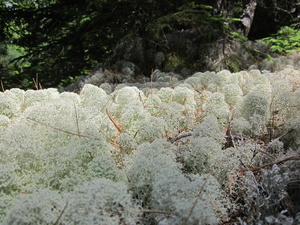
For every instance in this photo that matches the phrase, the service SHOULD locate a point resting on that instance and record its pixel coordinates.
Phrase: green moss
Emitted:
(173, 62)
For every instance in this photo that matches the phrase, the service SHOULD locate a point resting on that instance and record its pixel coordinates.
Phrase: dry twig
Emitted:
(155, 211)
(196, 200)
(60, 215)
(180, 137)
(116, 124)
(67, 132)
(293, 157)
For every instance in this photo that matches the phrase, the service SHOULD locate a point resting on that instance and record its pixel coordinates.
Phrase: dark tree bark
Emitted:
(271, 15)
(248, 16)
(259, 18)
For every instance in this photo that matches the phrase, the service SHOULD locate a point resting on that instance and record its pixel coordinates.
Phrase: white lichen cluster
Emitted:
(105, 156)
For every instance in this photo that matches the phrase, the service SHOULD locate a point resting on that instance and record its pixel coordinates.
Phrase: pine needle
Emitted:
(67, 132)
(116, 124)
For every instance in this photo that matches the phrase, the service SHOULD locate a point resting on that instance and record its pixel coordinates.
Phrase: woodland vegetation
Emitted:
(215, 148)
(189, 114)
(60, 40)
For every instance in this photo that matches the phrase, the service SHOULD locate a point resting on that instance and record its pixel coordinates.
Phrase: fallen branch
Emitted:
(266, 153)
(283, 135)
(293, 157)
(180, 137)
(155, 211)
(60, 215)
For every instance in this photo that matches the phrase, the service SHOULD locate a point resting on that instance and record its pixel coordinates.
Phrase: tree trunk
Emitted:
(247, 16)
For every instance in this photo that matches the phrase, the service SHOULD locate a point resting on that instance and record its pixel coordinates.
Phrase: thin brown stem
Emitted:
(67, 132)
(266, 153)
(284, 134)
(196, 200)
(36, 81)
(115, 123)
(293, 157)
(60, 215)
(180, 137)
(155, 211)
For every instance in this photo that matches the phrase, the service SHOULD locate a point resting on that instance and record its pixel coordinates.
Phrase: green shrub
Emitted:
(285, 41)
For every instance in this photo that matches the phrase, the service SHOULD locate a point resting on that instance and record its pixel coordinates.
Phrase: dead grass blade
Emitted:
(36, 81)
(196, 200)
(217, 209)
(140, 97)
(60, 215)
(67, 132)
(115, 123)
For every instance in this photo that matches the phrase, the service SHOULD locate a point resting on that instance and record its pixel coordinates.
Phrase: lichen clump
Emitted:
(194, 151)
